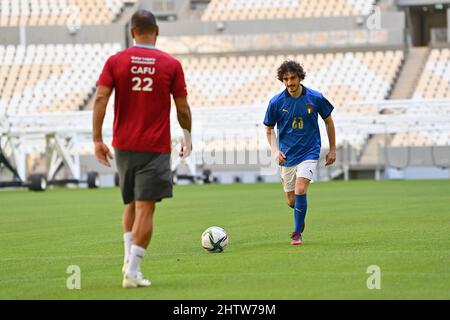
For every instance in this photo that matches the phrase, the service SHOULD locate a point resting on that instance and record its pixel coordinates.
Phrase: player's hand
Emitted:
(186, 145)
(102, 153)
(280, 157)
(331, 157)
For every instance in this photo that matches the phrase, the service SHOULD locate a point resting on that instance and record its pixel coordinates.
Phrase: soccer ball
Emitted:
(214, 239)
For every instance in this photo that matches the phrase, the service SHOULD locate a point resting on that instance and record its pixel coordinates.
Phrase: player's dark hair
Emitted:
(291, 66)
(144, 22)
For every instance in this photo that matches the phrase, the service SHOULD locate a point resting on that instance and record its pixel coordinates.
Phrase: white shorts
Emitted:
(306, 170)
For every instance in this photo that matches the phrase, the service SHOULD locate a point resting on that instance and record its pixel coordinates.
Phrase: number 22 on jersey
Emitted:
(144, 84)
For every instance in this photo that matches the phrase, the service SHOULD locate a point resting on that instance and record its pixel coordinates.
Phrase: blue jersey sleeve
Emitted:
(325, 107)
(271, 118)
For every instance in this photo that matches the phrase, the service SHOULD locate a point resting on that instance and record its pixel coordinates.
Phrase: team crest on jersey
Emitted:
(309, 108)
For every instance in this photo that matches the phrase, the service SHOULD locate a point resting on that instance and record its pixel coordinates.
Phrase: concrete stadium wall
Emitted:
(60, 34)
(394, 22)
(416, 173)
(9, 35)
(171, 8)
(429, 156)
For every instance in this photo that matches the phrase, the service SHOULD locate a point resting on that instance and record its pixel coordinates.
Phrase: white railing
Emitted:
(71, 129)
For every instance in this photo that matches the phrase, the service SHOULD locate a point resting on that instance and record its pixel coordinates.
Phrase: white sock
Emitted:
(134, 260)
(127, 241)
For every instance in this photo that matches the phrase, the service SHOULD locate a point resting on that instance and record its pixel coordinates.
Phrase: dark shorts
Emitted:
(144, 176)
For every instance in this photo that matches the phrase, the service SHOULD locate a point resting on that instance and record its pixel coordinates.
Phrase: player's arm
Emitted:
(279, 156)
(331, 155)
(102, 152)
(185, 120)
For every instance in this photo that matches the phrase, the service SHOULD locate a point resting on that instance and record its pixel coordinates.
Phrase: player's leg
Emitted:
(124, 161)
(127, 224)
(142, 233)
(288, 175)
(305, 172)
(301, 204)
(288, 178)
(128, 217)
(143, 224)
(290, 198)
(152, 183)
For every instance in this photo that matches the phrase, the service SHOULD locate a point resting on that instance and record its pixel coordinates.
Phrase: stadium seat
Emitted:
(434, 82)
(252, 80)
(226, 10)
(45, 81)
(59, 12)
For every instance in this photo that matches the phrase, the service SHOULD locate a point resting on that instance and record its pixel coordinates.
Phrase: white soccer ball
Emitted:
(214, 239)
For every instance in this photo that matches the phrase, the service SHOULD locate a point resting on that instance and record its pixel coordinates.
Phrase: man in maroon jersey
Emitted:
(143, 78)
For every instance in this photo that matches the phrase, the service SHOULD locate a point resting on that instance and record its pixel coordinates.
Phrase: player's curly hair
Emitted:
(291, 66)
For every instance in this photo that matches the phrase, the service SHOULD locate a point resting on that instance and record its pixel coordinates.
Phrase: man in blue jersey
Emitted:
(295, 112)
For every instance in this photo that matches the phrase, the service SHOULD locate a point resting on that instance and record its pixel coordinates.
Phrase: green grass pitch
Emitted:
(401, 226)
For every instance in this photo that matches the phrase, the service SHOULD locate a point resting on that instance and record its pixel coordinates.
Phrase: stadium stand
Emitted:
(50, 78)
(251, 80)
(243, 80)
(223, 10)
(435, 78)
(58, 12)
(416, 139)
(422, 134)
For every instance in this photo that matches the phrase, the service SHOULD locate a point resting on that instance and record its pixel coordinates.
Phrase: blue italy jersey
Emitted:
(297, 123)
